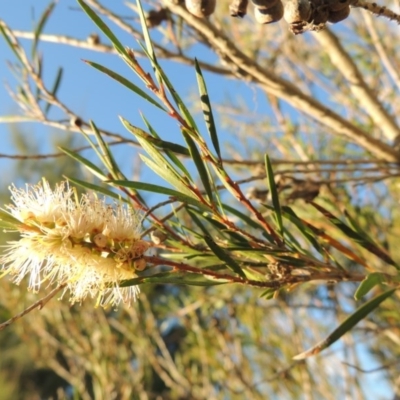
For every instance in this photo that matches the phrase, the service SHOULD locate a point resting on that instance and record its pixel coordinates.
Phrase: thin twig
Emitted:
(87, 44)
(59, 154)
(341, 59)
(336, 275)
(370, 371)
(381, 50)
(378, 10)
(38, 304)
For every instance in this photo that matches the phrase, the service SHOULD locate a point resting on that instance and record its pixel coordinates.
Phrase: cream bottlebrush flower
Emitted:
(88, 245)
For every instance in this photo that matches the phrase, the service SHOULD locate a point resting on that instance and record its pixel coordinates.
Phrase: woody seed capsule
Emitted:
(200, 8)
(319, 17)
(270, 15)
(340, 15)
(297, 11)
(336, 5)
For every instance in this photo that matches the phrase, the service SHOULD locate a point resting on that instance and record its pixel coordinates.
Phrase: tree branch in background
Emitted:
(243, 65)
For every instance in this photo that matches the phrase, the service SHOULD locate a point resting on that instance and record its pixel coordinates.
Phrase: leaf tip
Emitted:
(306, 354)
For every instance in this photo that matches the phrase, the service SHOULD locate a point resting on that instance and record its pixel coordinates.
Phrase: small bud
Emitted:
(94, 39)
(200, 8)
(270, 15)
(156, 17)
(140, 264)
(100, 240)
(337, 16)
(76, 121)
(158, 236)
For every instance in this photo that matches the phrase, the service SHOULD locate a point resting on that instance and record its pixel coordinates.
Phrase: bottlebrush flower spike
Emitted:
(89, 245)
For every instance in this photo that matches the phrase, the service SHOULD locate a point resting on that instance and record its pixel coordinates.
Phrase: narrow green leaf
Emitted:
(103, 27)
(88, 164)
(222, 175)
(160, 165)
(7, 221)
(154, 138)
(253, 274)
(223, 256)
(357, 227)
(224, 230)
(170, 148)
(8, 226)
(207, 109)
(161, 190)
(54, 90)
(370, 281)
(40, 26)
(200, 165)
(162, 169)
(347, 324)
(125, 82)
(106, 155)
(13, 46)
(274, 194)
(37, 64)
(308, 233)
(176, 278)
(352, 234)
(247, 221)
(269, 293)
(217, 250)
(292, 261)
(181, 105)
(257, 255)
(293, 244)
(146, 35)
(149, 50)
(95, 149)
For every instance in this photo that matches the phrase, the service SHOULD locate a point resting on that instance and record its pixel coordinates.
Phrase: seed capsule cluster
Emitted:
(301, 15)
(305, 15)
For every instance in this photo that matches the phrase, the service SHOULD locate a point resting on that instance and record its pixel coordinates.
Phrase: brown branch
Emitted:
(311, 162)
(371, 371)
(162, 52)
(381, 51)
(38, 304)
(60, 154)
(364, 95)
(337, 275)
(377, 10)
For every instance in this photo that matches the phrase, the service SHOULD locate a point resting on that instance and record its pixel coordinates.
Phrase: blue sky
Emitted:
(88, 92)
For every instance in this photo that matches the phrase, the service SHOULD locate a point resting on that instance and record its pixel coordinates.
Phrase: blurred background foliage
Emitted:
(227, 342)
